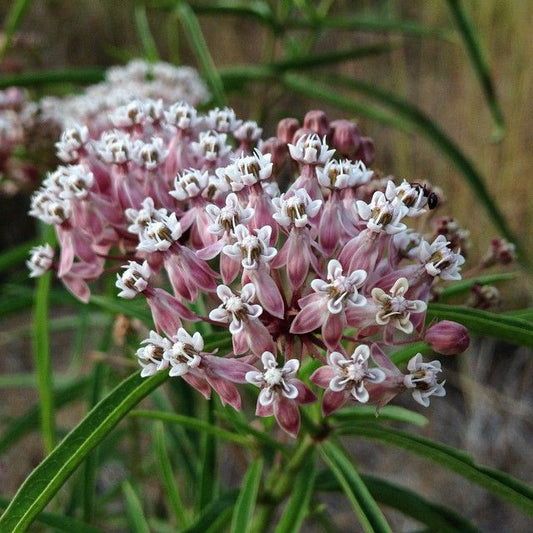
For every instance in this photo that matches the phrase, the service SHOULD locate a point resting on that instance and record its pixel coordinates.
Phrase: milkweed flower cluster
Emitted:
(328, 270)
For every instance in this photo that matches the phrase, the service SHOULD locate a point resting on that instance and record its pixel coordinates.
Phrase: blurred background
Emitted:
(489, 412)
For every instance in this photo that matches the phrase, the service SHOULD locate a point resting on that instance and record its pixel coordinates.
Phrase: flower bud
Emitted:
(345, 137)
(447, 337)
(367, 151)
(317, 121)
(286, 129)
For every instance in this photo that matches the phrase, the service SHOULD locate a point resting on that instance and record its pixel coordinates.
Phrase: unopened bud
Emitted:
(447, 337)
(500, 251)
(286, 129)
(317, 121)
(345, 137)
(367, 151)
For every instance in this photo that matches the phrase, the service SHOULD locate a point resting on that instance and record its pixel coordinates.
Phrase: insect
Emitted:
(432, 198)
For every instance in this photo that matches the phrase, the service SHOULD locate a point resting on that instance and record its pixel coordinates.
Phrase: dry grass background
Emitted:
(490, 401)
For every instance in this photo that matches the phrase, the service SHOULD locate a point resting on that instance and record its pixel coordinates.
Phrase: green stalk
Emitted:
(41, 345)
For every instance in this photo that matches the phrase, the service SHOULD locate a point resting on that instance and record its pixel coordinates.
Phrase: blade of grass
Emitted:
(298, 505)
(389, 412)
(193, 423)
(412, 118)
(479, 62)
(48, 477)
(438, 517)
(43, 368)
(498, 483)
(199, 47)
(207, 484)
(134, 511)
(464, 286)
(13, 21)
(16, 254)
(348, 22)
(211, 514)
(508, 328)
(50, 77)
(144, 33)
(366, 509)
(59, 522)
(245, 504)
(167, 475)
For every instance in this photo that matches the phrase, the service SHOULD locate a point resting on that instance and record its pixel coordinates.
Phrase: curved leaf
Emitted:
(502, 485)
(505, 327)
(200, 49)
(245, 505)
(134, 511)
(29, 79)
(479, 62)
(437, 517)
(298, 505)
(212, 512)
(389, 412)
(60, 522)
(465, 285)
(366, 509)
(45, 480)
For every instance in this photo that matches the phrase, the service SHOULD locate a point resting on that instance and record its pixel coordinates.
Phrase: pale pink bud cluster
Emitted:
(189, 206)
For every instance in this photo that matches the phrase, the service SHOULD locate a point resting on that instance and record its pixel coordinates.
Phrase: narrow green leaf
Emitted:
(331, 58)
(119, 306)
(259, 10)
(134, 510)
(389, 412)
(193, 423)
(43, 368)
(45, 480)
(465, 285)
(366, 23)
(207, 485)
(245, 505)
(29, 79)
(298, 505)
(411, 118)
(12, 23)
(211, 513)
(471, 40)
(502, 485)
(59, 522)
(16, 255)
(524, 314)
(365, 507)
(167, 476)
(199, 46)
(144, 33)
(437, 517)
(505, 327)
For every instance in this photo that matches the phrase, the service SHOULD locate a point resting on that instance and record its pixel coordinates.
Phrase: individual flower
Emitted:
(41, 260)
(346, 378)
(248, 332)
(439, 260)
(341, 174)
(202, 371)
(327, 305)
(151, 356)
(133, 280)
(311, 150)
(295, 208)
(422, 380)
(394, 308)
(281, 392)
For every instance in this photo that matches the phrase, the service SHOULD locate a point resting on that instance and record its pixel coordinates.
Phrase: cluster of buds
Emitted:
(26, 142)
(327, 270)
